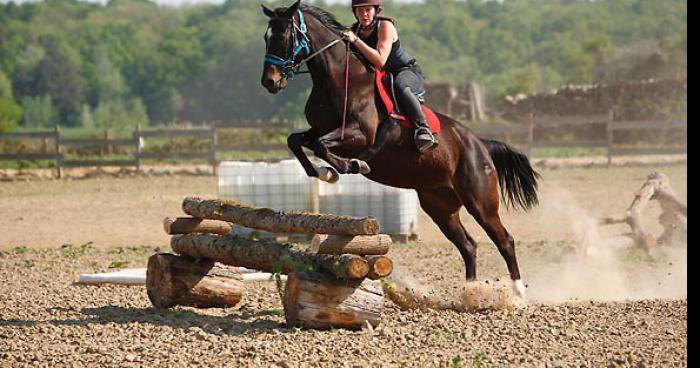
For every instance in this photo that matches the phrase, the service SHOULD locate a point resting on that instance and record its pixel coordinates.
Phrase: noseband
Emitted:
(290, 67)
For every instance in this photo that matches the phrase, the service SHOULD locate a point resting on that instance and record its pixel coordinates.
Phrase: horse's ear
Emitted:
(267, 11)
(292, 9)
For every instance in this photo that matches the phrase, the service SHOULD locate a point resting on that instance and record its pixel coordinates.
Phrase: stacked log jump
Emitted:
(333, 285)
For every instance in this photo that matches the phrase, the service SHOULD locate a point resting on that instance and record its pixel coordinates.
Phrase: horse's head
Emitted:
(285, 42)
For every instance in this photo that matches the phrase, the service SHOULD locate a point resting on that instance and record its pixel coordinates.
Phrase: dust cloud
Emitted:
(409, 293)
(601, 265)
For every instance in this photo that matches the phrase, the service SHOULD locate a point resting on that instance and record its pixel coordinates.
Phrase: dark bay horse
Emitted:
(462, 170)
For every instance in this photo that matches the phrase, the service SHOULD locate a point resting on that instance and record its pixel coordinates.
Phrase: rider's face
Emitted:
(365, 14)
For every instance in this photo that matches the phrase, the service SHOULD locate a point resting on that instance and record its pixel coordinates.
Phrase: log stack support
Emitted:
(179, 280)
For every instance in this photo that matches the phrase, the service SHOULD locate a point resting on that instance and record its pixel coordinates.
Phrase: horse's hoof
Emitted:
(359, 166)
(328, 174)
(519, 288)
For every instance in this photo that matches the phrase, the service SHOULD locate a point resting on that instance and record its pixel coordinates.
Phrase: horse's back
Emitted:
(400, 163)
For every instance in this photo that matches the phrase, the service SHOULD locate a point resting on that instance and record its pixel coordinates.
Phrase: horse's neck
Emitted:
(328, 64)
(328, 71)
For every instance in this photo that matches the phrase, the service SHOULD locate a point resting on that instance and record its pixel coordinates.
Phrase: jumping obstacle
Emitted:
(334, 285)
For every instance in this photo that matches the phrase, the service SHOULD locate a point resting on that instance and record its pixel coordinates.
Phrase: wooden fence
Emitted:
(531, 136)
(526, 132)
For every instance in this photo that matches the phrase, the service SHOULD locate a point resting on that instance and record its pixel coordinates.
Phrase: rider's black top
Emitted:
(398, 57)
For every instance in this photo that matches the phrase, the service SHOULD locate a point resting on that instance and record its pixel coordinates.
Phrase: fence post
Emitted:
(214, 143)
(609, 131)
(137, 154)
(530, 134)
(59, 155)
(108, 149)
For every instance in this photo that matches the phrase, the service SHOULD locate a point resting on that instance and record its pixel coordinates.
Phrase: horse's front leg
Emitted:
(353, 141)
(295, 141)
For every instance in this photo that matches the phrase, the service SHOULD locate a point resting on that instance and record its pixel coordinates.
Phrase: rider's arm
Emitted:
(387, 36)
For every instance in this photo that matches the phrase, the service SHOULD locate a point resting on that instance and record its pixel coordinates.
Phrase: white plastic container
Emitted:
(284, 186)
(395, 209)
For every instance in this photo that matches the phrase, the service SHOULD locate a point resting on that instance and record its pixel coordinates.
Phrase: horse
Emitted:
(351, 131)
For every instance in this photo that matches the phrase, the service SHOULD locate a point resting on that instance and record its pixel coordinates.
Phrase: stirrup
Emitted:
(424, 144)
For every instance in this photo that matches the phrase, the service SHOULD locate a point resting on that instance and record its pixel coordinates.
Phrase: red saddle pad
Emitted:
(433, 120)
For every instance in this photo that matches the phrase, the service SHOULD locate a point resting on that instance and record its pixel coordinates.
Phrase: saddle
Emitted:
(385, 85)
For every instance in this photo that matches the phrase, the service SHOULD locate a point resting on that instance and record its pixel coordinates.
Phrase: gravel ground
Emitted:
(46, 321)
(615, 307)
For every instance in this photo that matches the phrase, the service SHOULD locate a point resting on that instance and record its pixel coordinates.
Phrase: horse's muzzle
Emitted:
(274, 82)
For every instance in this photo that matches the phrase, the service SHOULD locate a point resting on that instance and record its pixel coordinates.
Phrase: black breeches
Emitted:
(412, 77)
(408, 84)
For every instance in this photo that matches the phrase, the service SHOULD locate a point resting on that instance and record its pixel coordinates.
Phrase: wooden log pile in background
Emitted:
(673, 218)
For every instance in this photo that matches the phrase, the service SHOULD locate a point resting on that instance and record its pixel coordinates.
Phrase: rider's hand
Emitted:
(349, 36)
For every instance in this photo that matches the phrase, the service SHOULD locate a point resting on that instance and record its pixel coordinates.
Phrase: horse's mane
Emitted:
(323, 16)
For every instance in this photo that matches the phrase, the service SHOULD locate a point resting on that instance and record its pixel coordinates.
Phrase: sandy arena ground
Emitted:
(615, 307)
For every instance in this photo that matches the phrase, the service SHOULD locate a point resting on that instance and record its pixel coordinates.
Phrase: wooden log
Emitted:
(674, 213)
(314, 300)
(186, 225)
(343, 244)
(178, 280)
(279, 222)
(379, 266)
(267, 255)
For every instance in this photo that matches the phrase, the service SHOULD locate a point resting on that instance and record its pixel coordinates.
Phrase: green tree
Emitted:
(86, 120)
(59, 76)
(10, 113)
(5, 87)
(119, 115)
(39, 112)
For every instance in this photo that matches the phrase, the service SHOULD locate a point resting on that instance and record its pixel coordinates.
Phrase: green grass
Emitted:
(484, 361)
(72, 252)
(27, 164)
(118, 264)
(567, 152)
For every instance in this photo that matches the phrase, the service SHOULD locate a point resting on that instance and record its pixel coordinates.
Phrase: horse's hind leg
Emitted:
(442, 205)
(482, 203)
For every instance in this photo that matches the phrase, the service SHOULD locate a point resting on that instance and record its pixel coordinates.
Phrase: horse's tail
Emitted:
(517, 178)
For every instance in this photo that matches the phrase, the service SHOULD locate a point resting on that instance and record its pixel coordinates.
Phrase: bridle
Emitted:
(290, 67)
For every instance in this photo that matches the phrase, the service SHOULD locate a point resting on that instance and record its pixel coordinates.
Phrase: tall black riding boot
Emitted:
(423, 136)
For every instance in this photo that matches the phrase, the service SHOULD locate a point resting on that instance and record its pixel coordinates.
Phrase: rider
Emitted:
(378, 41)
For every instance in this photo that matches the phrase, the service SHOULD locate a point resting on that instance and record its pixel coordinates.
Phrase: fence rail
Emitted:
(603, 123)
(528, 132)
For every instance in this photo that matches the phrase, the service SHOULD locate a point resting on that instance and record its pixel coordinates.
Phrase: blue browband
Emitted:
(289, 66)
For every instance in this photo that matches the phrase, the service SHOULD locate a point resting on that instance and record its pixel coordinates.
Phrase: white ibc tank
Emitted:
(284, 186)
(281, 186)
(396, 209)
